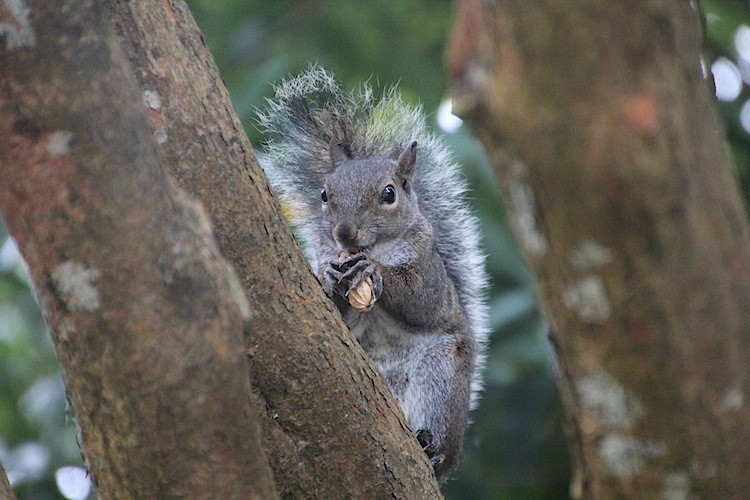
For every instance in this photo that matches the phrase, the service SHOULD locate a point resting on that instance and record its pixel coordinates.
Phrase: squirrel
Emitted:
(380, 202)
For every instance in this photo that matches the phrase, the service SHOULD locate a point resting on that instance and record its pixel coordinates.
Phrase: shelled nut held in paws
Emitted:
(362, 298)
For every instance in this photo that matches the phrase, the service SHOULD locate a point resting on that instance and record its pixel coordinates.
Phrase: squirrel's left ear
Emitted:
(406, 161)
(338, 154)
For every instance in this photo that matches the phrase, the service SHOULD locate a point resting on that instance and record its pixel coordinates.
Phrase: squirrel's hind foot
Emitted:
(429, 445)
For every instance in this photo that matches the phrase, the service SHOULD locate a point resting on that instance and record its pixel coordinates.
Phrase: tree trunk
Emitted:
(100, 212)
(604, 134)
(6, 492)
(145, 316)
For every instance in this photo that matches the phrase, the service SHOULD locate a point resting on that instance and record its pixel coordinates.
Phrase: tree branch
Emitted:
(330, 424)
(146, 322)
(6, 492)
(604, 135)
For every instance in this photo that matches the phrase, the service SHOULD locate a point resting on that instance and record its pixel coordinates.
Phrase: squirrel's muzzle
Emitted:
(346, 234)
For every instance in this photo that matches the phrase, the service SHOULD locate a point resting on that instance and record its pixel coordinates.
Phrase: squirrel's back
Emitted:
(311, 112)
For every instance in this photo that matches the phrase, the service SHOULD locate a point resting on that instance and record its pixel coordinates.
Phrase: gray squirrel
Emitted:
(377, 198)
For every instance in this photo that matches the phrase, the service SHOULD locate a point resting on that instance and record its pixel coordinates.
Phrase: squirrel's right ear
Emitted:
(407, 159)
(338, 155)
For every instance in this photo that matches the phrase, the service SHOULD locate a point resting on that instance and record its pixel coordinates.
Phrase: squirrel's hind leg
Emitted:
(436, 399)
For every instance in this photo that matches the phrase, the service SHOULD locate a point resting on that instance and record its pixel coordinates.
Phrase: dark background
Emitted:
(516, 446)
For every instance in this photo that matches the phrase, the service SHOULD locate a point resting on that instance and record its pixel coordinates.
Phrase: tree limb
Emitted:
(6, 492)
(330, 424)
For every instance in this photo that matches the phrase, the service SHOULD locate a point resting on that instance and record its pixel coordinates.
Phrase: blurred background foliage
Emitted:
(516, 446)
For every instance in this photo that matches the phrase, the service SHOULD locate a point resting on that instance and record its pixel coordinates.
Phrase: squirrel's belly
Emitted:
(390, 345)
(377, 331)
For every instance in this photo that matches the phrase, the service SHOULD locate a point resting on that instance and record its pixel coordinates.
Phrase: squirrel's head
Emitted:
(369, 201)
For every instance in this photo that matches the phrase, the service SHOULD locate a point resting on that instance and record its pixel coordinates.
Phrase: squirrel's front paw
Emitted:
(358, 269)
(359, 280)
(331, 280)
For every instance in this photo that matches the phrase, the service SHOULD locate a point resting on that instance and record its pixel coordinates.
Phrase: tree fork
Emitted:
(329, 423)
(606, 140)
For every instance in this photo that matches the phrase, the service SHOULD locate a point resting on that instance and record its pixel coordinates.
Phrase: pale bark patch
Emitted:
(677, 486)
(59, 143)
(590, 255)
(612, 404)
(626, 455)
(15, 25)
(588, 298)
(75, 285)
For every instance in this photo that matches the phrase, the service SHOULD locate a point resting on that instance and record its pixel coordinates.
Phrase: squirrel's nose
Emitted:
(345, 233)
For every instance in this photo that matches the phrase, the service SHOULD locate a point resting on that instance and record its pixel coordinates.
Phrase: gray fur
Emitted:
(430, 344)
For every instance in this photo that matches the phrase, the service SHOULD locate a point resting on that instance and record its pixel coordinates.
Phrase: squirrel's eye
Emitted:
(389, 195)
(324, 196)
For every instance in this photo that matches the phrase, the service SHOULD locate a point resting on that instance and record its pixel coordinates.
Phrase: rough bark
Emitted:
(146, 316)
(6, 492)
(329, 423)
(605, 136)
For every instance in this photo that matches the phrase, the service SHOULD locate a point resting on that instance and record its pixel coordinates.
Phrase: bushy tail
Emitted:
(311, 112)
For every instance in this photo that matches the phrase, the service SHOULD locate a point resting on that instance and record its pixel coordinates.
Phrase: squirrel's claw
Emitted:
(348, 264)
(359, 272)
(361, 267)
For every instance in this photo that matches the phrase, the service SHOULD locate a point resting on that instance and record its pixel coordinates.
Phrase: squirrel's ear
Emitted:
(338, 155)
(407, 159)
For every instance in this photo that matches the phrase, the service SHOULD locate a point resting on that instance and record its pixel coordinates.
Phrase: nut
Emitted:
(362, 298)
